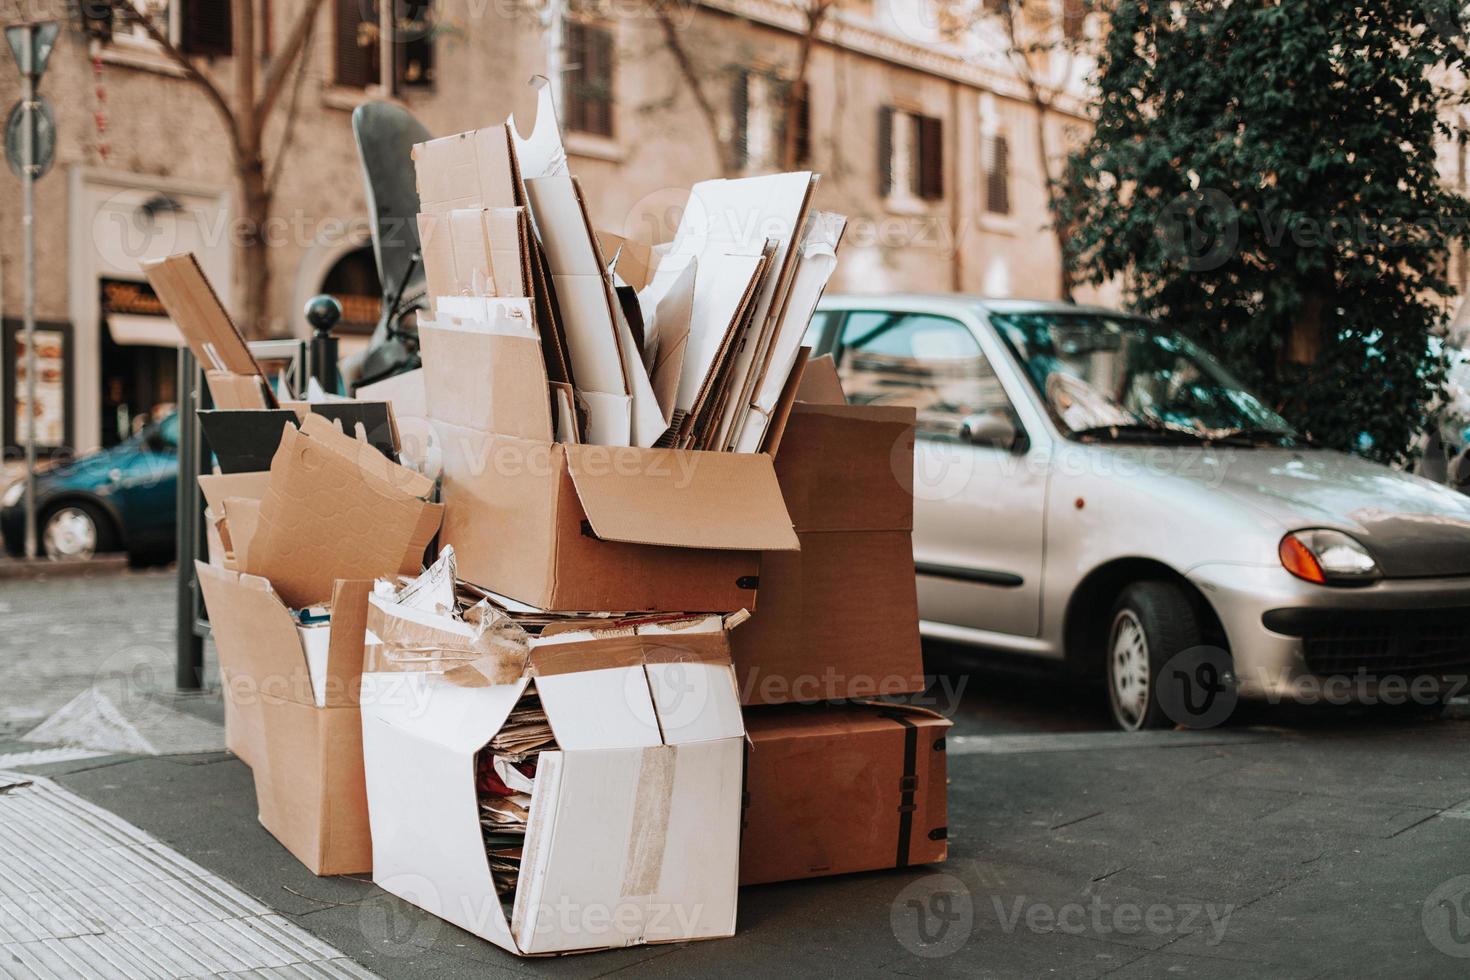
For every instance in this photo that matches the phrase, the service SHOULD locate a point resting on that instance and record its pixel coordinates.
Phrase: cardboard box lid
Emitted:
(257, 637)
(681, 498)
(335, 508)
(848, 467)
(676, 680)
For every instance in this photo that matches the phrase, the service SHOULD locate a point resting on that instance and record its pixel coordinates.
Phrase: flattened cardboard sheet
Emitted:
(335, 508)
(244, 441)
(486, 381)
(195, 308)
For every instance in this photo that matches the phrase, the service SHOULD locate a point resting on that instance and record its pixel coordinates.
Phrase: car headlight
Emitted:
(13, 493)
(1327, 557)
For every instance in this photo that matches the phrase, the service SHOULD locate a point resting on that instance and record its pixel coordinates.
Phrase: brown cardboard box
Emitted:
(570, 526)
(610, 527)
(303, 728)
(839, 618)
(831, 789)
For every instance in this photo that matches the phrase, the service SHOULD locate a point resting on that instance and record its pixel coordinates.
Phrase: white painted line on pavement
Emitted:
(1092, 741)
(41, 757)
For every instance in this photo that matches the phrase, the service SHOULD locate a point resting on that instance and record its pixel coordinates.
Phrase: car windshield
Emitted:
(1104, 375)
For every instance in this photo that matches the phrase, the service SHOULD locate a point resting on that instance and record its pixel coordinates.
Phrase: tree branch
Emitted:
(132, 14)
(275, 76)
(288, 134)
(696, 84)
(816, 13)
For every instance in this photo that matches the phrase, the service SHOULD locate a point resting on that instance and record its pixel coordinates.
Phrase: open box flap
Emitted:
(820, 384)
(255, 633)
(325, 433)
(345, 645)
(217, 486)
(565, 653)
(600, 709)
(241, 516)
(434, 709)
(682, 499)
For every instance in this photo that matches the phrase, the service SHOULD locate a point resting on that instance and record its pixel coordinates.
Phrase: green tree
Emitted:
(1264, 172)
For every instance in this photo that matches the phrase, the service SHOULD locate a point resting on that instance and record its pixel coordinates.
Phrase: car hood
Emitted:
(1413, 527)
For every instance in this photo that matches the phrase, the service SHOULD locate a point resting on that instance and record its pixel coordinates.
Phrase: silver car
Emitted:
(1092, 487)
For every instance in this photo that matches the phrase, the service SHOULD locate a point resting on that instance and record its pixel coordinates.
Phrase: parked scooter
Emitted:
(385, 136)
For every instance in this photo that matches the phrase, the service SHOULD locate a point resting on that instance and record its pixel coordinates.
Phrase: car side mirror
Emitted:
(992, 431)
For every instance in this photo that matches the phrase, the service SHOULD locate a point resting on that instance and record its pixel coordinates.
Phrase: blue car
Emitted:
(118, 499)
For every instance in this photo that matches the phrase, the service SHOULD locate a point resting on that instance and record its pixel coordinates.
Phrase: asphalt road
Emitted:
(1293, 843)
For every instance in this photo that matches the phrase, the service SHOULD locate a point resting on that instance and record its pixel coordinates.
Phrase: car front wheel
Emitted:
(1150, 623)
(74, 532)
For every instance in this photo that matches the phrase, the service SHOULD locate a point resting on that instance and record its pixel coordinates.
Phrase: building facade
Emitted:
(929, 145)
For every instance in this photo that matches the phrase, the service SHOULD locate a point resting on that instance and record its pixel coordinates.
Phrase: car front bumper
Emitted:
(1294, 640)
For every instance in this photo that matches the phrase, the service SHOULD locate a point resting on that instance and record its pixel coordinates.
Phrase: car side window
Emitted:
(932, 363)
(816, 331)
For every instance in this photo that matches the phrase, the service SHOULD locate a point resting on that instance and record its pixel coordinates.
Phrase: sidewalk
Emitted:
(1326, 845)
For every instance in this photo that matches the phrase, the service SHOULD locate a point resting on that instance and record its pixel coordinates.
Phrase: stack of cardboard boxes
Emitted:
(610, 449)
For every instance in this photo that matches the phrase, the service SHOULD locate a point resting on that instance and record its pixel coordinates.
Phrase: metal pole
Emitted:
(28, 190)
(189, 660)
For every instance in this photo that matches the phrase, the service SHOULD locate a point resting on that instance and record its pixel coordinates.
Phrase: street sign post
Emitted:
(31, 44)
(43, 137)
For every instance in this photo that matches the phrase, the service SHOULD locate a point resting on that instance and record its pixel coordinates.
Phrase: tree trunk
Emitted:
(1059, 229)
(1304, 345)
(252, 252)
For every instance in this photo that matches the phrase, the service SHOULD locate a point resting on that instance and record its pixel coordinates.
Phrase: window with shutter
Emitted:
(885, 150)
(739, 119)
(588, 52)
(414, 52)
(930, 167)
(997, 175)
(205, 28)
(1074, 19)
(356, 45)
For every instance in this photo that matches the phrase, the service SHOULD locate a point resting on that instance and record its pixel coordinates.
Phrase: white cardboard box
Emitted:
(634, 827)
